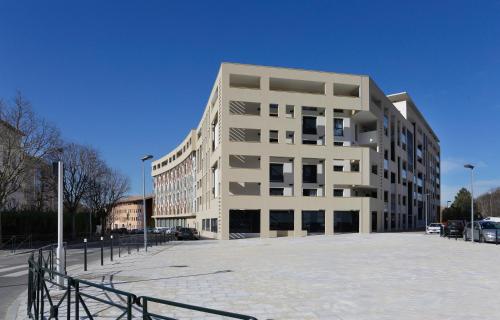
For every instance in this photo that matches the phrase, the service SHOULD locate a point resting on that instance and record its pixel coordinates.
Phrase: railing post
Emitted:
(85, 254)
(129, 307)
(102, 251)
(69, 283)
(41, 293)
(30, 285)
(145, 309)
(111, 256)
(77, 300)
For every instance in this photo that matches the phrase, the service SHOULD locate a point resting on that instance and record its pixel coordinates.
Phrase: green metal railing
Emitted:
(72, 296)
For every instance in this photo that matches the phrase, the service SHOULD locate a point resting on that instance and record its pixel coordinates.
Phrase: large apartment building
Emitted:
(289, 152)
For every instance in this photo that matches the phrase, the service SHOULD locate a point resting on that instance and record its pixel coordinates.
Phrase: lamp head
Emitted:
(469, 166)
(147, 157)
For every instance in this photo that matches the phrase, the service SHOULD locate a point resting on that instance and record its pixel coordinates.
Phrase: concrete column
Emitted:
(297, 223)
(329, 222)
(264, 223)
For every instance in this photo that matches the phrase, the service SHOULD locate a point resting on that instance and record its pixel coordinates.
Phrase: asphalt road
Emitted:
(14, 273)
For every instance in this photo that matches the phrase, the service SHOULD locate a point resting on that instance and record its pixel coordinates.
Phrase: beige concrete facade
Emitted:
(288, 152)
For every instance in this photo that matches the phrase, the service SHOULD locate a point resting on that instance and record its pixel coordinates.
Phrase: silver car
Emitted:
(484, 231)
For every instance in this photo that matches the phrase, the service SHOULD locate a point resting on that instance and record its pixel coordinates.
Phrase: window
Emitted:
(275, 191)
(309, 125)
(338, 168)
(309, 192)
(374, 169)
(338, 192)
(276, 172)
(386, 125)
(309, 173)
(213, 225)
(338, 143)
(273, 136)
(290, 137)
(393, 177)
(289, 111)
(338, 127)
(386, 196)
(273, 110)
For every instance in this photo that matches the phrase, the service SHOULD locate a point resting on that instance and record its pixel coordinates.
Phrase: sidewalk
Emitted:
(352, 276)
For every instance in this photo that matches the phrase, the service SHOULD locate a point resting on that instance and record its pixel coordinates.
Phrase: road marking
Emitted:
(16, 274)
(13, 268)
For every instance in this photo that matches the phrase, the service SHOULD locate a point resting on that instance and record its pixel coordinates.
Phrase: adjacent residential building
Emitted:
(289, 152)
(128, 213)
(33, 190)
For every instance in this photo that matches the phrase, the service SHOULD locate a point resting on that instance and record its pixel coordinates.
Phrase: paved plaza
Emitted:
(351, 276)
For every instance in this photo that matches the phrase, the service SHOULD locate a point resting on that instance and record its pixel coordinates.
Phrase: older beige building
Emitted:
(289, 152)
(128, 213)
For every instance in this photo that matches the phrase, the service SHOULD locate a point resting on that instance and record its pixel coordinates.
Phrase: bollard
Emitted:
(128, 244)
(119, 246)
(65, 259)
(137, 243)
(156, 239)
(102, 251)
(85, 254)
(111, 247)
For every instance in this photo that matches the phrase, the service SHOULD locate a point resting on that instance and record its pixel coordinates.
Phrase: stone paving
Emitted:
(351, 276)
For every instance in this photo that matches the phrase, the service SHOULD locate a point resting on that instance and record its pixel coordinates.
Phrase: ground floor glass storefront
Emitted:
(171, 222)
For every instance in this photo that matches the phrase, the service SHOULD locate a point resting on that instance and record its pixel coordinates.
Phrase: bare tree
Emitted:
(489, 203)
(25, 139)
(81, 163)
(105, 189)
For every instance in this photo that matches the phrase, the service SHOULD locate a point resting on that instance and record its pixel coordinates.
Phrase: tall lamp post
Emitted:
(59, 251)
(144, 159)
(471, 167)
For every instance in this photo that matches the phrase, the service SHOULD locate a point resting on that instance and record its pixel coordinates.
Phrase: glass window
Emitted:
(276, 191)
(338, 168)
(309, 192)
(273, 110)
(276, 172)
(338, 127)
(309, 125)
(309, 173)
(338, 192)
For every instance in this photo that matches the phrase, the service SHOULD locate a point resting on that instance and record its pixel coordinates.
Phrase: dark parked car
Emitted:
(119, 231)
(454, 228)
(185, 234)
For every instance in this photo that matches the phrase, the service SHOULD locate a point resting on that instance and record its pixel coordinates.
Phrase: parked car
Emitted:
(433, 228)
(454, 228)
(185, 234)
(484, 231)
(196, 234)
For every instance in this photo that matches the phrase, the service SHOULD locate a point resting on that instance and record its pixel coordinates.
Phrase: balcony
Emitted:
(368, 138)
(244, 188)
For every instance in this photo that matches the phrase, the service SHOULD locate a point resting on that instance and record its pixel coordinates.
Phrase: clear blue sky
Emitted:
(132, 77)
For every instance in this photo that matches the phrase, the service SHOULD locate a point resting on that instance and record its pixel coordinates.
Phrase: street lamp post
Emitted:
(471, 167)
(144, 159)
(59, 253)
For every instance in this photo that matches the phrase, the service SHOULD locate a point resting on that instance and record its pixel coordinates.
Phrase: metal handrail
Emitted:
(143, 302)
